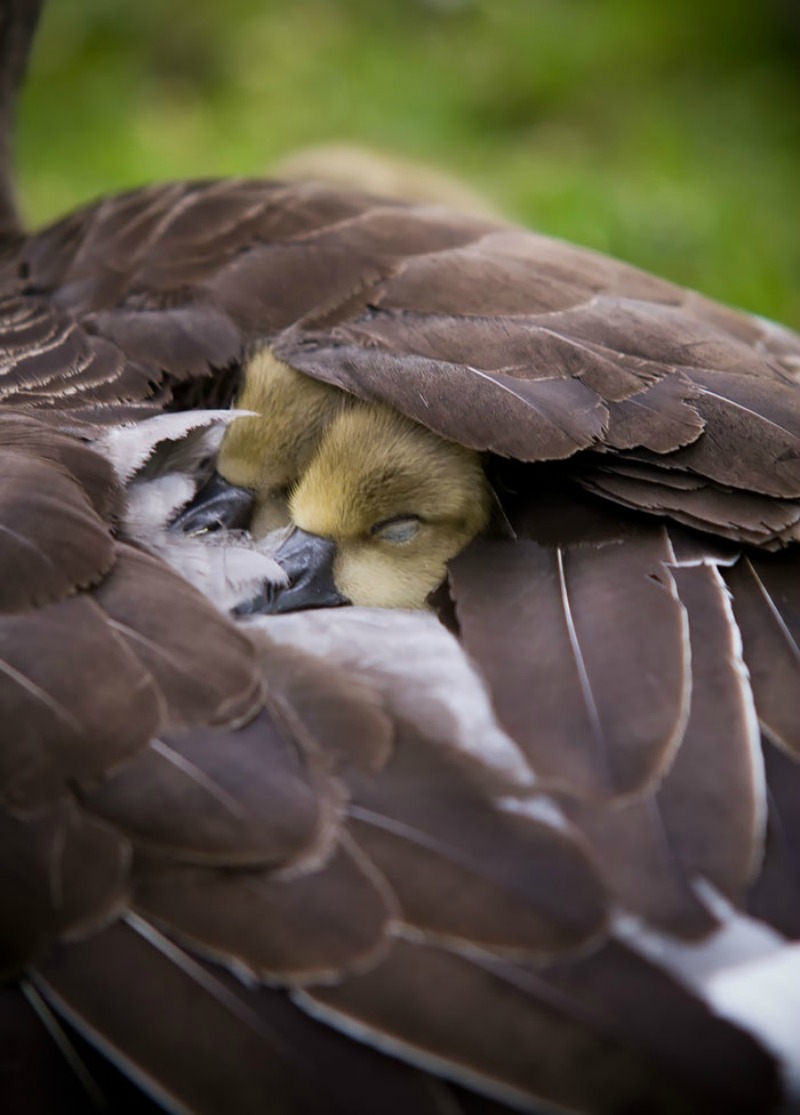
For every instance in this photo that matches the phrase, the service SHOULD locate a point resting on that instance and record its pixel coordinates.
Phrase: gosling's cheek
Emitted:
(378, 580)
(388, 577)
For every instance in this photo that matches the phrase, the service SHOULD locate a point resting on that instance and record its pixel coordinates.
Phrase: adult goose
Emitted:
(532, 844)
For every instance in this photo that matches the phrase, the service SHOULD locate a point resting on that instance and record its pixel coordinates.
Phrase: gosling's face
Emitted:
(396, 501)
(380, 504)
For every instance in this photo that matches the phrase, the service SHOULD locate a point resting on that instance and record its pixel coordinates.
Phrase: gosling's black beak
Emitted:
(217, 505)
(307, 560)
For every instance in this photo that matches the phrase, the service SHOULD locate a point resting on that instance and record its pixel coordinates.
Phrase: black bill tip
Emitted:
(218, 505)
(307, 560)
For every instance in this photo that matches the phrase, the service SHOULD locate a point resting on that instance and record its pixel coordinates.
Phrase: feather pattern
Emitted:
(430, 833)
(189, 799)
(355, 861)
(767, 605)
(704, 820)
(775, 894)
(625, 697)
(512, 1017)
(80, 700)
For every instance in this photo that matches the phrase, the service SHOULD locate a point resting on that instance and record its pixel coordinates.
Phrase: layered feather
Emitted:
(353, 861)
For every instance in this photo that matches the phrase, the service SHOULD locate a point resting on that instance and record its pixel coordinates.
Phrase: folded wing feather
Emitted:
(191, 809)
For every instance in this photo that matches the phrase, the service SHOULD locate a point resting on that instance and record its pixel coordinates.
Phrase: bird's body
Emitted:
(544, 856)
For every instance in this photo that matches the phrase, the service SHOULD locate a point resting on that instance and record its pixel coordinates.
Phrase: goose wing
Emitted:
(348, 862)
(501, 339)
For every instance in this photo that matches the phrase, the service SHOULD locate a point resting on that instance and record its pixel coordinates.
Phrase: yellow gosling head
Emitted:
(397, 501)
(268, 452)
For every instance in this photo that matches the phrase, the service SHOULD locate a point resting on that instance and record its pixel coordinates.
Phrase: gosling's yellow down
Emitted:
(379, 503)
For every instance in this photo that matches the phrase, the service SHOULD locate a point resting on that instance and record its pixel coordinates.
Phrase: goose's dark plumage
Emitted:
(541, 856)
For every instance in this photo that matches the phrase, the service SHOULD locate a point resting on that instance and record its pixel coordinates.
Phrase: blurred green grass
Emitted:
(667, 135)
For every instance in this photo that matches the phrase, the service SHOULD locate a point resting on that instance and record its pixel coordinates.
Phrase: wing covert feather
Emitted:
(79, 700)
(248, 797)
(766, 600)
(513, 882)
(204, 668)
(511, 1034)
(611, 701)
(303, 927)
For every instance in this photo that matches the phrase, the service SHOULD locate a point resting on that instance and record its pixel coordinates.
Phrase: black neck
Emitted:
(18, 20)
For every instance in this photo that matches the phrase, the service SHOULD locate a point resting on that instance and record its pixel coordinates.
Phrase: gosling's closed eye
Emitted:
(403, 528)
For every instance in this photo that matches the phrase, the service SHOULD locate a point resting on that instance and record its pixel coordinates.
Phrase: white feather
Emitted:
(744, 970)
(162, 462)
(151, 505)
(128, 448)
(538, 808)
(420, 670)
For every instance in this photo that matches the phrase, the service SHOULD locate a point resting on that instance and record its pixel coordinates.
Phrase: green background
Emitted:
(666, 134)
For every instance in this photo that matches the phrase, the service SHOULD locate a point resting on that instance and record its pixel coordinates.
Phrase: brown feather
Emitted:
(173, 1027)
(79, 699)
(705, 819)
(512, 882)
(766, 600)
(775, 895)
(740, 516)
(212, 797)
(307, 927)
(713, 796)
(611, 700)
(53, 539)
(650, 882)
(203, 666)
(510, 1034)
(63, 874)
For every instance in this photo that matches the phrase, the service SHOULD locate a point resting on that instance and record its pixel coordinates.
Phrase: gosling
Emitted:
(379, 504)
